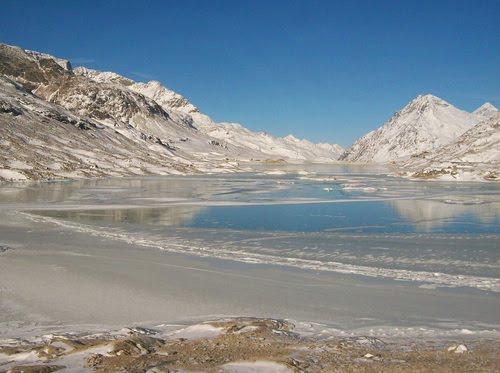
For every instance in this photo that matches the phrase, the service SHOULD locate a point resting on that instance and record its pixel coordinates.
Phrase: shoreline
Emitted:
(482, 173)
(238, 344)
(93, 280)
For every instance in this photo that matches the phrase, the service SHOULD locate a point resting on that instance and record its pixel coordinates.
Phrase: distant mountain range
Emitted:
(231, 135)
(60, 122)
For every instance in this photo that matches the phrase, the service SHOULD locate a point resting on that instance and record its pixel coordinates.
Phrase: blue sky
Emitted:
(329, 71)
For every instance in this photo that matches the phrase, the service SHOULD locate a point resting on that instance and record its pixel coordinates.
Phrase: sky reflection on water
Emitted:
(344, 202)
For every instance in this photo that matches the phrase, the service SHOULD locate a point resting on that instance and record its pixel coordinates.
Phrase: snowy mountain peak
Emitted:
(486, 106)
(102, 76)
(164, 97)
(65, 64)
(155, 84)
(170, 100)
(426, 123)
(153, 89)
(424, 103)
(291, 137)
(428, 98)
(486, 110)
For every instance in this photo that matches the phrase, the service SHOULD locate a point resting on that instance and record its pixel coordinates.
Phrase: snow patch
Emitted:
(255, 367)
(197, 331)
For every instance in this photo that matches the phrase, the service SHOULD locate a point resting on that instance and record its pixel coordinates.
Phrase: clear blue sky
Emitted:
(328, 71)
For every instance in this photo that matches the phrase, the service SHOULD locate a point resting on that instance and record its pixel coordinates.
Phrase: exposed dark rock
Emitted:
(7, 108)
(4, 248)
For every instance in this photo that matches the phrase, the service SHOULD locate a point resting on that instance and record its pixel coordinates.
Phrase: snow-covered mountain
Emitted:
(158, 120)
(480, 144)
(41, 140)
(475, 155)
(229, 135)
(234, 134)
(423, 125)
(486, 111)
(431, 139)
(57, 121)
(166, 98)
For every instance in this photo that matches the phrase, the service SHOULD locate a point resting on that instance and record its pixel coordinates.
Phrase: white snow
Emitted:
(474, 156)
(7, 174)
(197, 331)
(231, 138)
(75, 362)
(131, 128)
(21, 357)
(423, 125)
(255, 367)
(486, 111)
(460, 349)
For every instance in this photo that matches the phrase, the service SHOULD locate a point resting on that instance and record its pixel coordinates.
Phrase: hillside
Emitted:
(475, 155)
(150, 121)
(423, 125)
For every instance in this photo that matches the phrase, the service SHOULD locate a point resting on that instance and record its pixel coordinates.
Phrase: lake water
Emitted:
(290, 203)
(310, 220)
(339, 220)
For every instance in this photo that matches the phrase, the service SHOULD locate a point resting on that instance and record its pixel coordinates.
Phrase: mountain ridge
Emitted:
(473, 156)
(424, 124)
(173, 128)
(242, 137)
(486, 110)
(429, 137)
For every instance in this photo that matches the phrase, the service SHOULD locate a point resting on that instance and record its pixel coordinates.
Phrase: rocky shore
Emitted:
(240, 345)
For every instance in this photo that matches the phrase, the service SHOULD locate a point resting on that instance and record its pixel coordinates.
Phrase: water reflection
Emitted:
(113, 190)
(184, 201)
(428, 215)
(403, 216)
(171, 216)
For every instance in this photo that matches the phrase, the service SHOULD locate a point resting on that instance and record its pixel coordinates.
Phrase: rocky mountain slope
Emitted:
(229, 135)
(41, 140)
(431, 139)
(234, 134)
(149, 117)
(123, 127)
(423, 125)
(475, 155)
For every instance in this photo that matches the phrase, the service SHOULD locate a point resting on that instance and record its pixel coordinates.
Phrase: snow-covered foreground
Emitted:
(238, 345)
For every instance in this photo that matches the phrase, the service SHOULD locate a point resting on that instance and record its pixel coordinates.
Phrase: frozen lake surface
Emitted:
(351, 249)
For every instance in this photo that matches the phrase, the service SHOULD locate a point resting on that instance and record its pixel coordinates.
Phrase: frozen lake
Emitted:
(338, 244)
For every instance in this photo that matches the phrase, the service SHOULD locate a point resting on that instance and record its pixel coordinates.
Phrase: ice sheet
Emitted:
(120, 252)
(260, 252)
